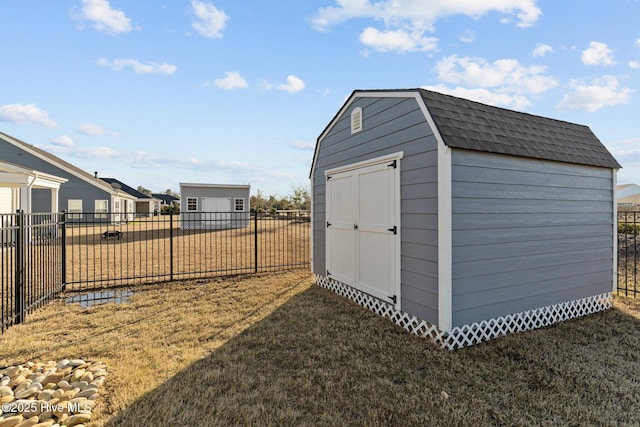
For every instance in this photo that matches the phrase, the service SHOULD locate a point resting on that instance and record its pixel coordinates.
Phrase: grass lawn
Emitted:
(272, 349)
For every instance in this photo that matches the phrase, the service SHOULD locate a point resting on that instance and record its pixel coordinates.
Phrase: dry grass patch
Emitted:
(147, 340)
(273, 350)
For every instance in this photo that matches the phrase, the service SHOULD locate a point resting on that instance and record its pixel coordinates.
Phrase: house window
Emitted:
(192, 204)
(356, 120)
(239, 205)
(101, 208)
(116, 206)
(74, 207)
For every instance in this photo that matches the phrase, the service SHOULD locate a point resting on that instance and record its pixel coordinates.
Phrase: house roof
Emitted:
(471, 125)
(127, 189)
(167, 198)
(58, 162)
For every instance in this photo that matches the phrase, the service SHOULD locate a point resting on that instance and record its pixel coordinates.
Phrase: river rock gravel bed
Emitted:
(51, 394)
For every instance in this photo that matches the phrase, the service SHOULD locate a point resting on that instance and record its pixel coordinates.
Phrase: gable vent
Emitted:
(356, 120)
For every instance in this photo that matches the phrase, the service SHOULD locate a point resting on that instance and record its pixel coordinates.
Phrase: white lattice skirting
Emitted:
(463, 336)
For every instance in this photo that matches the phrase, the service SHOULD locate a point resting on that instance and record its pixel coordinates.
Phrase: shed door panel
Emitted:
(340, 233)
(361, 243)
(376, 216)
(215, 212)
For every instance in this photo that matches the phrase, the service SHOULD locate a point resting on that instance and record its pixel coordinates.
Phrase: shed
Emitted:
(214, 206)
(462, 221)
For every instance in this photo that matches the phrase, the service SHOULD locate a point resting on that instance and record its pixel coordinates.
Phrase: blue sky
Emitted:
(155, 93)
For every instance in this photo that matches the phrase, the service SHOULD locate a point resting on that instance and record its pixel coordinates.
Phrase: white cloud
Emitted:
(104, 18)
(26, 114)
(93, 129)
(406, 21)
(598, 54)
(420, 14)
(637, 43)
(485, 96)
(634, 65)
(507, 75)
(398, 40)
(302, 145)
(603, 92)
(293, 85)
(231, 81)
(467, 37)
(541, 50)
(138, 67)
(209, 21)
(63, 141)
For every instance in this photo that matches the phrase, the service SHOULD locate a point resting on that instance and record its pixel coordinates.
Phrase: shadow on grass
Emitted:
(321, 360)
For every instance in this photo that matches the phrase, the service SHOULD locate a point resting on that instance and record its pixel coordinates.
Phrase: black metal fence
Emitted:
(45, 254)
(31, 264)
(628, 253)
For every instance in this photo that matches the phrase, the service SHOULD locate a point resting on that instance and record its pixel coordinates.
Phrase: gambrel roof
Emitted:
(475, 126)
(471, 125)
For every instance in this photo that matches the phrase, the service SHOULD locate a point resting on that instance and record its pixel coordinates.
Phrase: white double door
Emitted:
(363, 233)
(216, 212)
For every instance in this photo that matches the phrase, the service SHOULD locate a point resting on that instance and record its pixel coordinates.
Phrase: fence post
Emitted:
(19, 293)
(63, 243)
(255, 241)
(171, 246)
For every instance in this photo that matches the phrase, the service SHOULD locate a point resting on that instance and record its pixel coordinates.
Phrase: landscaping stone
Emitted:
(50, 394)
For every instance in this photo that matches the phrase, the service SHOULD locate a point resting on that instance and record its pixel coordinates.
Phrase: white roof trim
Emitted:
(347, 104)
(191, 184)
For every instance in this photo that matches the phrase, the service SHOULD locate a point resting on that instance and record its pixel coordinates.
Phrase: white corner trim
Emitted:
(615, 230)
(313, 216)
(445, 242)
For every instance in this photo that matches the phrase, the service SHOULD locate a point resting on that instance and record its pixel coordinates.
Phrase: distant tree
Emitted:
(143, 190)
(300, 199)
(171, 193)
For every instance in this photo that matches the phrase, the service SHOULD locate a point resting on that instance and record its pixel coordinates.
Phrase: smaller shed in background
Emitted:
(214, 206)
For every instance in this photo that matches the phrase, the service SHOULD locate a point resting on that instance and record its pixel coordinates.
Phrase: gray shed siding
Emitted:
(527, 233)
(390, 125)
(75, 188)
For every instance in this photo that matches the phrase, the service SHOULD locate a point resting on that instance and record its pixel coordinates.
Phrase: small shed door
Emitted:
(341, 245)
(216, 212)
(362, 229)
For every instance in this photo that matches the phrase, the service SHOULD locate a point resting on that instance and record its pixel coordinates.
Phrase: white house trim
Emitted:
(22, 180)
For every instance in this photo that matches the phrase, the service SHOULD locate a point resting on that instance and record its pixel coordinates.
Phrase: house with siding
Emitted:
(628, 196)
(18, 183)
(163, 199)
(83, 195)
(144, 203)
(462, 221)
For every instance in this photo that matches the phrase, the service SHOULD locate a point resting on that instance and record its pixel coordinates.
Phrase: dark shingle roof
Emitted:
(474, 126)
(129, 190)
(167, 198)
